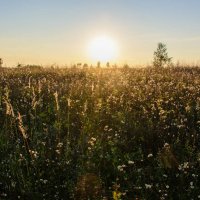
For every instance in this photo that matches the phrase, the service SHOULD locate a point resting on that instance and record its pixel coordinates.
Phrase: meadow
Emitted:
(100, 133)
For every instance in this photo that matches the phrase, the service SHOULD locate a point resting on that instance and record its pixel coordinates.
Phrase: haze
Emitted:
(48, 31)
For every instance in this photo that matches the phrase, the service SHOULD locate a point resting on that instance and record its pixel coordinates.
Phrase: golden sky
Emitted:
(66, 32)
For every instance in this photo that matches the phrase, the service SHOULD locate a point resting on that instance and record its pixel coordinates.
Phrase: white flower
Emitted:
(180, 167)
(130, 162)
(185, 165)
(57, 151)
(33, 153)
(121, 167)
(166, 145)
(43, 181)
(60, 144)
(191, 185)
(150, 155)
(93, 139)
(148, 186)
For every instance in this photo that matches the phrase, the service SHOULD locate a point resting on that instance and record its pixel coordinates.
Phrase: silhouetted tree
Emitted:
(161, 58)
(126, 66)
(85, 65)
(107, 64)
(19, 65)
(1, 62)
(98, 64)
(79, 65)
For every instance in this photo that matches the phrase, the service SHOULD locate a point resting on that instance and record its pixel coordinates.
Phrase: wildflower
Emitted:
(59, 145)
(34, 154)
(130, 162)
(91, 143)
(121, 167)
(166, 145)
(106, 128)
(148, 186)
(116, 195)
(57, 151)
(43, 143)
(180, 167)
(150, 155)
(186, 165)
(93, 139)
(187, 108)
(43, 181)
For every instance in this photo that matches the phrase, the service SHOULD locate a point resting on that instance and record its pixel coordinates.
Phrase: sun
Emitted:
(102, 48)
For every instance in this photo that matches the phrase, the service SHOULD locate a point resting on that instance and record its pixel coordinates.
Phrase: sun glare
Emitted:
(102, 49)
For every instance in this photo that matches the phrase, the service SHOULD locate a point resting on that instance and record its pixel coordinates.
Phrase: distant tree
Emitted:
(126, 66)
(74, 66)
(19, 65)
(85, 65)
(1, 62)
(98, 64)
(161, 58)
(107, 64)
(79, 65)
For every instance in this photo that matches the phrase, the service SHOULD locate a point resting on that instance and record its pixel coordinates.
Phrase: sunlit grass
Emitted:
(99, 133)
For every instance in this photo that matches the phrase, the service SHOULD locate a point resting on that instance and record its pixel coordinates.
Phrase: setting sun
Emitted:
(103, 49)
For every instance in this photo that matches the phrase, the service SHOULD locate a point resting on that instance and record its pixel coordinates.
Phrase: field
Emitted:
(100, 133)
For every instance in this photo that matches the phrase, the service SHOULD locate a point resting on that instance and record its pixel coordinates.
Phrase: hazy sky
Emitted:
(59, 31)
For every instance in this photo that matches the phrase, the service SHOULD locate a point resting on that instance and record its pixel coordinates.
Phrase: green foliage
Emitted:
(161, 58)
(120, 133)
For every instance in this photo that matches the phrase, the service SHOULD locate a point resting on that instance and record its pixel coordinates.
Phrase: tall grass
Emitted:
(100, 133)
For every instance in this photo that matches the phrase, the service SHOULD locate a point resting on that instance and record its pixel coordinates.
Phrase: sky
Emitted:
(47, 32)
